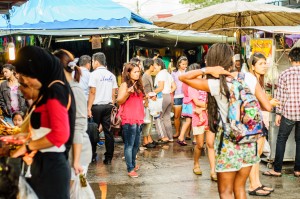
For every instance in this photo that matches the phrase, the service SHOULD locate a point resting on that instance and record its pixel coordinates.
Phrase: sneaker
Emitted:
(133, 174)
(100, 143)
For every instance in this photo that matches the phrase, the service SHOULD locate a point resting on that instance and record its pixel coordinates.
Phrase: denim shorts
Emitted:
(178, 101)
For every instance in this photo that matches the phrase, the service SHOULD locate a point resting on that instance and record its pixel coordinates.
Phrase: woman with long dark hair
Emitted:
(258, 67)
(130, 97)
(233, 161)
(50, 121)
(11, 98)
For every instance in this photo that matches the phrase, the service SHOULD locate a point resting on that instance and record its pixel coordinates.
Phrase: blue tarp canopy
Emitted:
(70, 14)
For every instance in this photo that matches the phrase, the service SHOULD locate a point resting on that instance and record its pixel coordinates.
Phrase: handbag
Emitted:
(92, 131)
(115, 119)
(187, 110)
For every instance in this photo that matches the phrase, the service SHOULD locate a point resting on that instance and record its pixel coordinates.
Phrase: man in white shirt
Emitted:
(85, 63)
(102, 86)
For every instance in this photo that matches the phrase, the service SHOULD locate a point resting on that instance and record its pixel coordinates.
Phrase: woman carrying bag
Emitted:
(50, 122)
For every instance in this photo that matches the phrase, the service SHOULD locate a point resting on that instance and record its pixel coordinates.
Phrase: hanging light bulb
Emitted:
(109, 42)
(234, 34)
(11, 51)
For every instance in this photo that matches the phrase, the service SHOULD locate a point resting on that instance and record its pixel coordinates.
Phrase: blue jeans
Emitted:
(132, 134)
(285, 128)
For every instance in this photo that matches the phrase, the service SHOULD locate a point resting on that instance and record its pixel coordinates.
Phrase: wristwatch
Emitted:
(27, 146)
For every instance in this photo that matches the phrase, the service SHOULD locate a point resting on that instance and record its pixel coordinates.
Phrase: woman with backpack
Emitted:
(234, 157)
(258, 67)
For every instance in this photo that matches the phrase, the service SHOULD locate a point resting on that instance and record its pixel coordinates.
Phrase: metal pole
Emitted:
(127, 54)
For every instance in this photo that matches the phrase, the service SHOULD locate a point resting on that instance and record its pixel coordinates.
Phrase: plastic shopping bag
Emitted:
(147, 119)
(25, 191)
(155, 107)
(267, 149)
(81, 189)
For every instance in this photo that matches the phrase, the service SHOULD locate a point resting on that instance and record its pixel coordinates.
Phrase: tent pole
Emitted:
(127, 51)
(49, 44)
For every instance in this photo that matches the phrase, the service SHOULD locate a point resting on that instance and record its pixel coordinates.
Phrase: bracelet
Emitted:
(203, 71)
(27, 146)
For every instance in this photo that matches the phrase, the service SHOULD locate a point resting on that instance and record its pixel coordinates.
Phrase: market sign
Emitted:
(96, 42)
(263, 46)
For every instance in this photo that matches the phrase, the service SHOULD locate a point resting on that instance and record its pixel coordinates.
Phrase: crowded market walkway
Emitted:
(166, 173)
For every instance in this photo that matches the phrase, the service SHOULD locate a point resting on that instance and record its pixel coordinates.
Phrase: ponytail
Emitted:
(77, 73)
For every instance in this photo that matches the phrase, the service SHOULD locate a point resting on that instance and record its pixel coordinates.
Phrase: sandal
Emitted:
(268, 173)
(214, 177)
(181, 143)
(197, 171)
(265, 188)
(162, 142)
(188, 138)
(256, 192)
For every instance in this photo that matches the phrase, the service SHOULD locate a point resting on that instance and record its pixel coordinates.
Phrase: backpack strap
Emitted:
(61, 82)
(222, 133)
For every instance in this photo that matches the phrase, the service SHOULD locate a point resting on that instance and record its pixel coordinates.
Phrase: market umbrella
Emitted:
(228, 17)
(232, 14)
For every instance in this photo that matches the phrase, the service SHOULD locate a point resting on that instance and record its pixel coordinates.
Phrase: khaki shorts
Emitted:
(198, 130)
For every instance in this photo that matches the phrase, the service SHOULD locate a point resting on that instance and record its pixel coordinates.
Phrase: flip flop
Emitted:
(197, 171)
(256, 193)
(181, 143)
(214, 177)
(270, 188)
(297, 174)
(268, 173)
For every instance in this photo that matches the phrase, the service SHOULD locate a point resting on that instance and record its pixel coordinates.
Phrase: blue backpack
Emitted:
(244, 120)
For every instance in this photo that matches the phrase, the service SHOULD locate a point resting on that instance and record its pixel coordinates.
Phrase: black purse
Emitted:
(92, 131)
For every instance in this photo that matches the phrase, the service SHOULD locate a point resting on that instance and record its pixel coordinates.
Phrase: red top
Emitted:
(54, 115)
(132, 111)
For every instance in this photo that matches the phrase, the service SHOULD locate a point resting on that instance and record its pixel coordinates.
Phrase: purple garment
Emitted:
(178, 91)
(14, 98)
(290, 40)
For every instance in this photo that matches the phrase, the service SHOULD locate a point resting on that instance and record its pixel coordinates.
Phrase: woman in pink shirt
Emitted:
(130, 97)
(198, 99)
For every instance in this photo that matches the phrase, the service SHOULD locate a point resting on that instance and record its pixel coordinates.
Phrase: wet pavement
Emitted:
(166, 173)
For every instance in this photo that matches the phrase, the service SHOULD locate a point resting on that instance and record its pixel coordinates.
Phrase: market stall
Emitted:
(276, 49)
